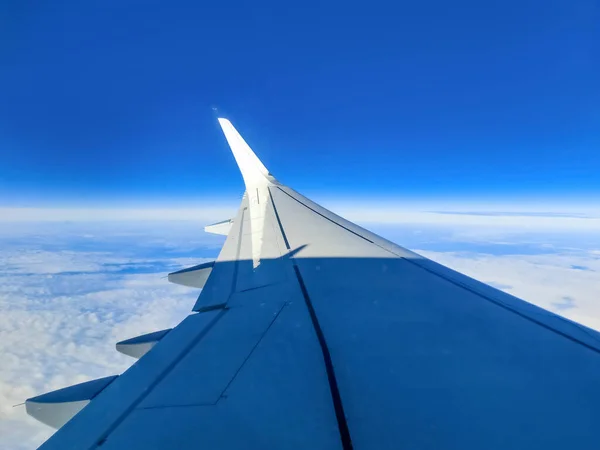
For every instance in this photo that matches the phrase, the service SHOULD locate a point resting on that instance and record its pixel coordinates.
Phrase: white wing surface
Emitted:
(310, 332)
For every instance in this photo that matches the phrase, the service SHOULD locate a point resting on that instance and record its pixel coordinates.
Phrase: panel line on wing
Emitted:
(257, 225)
(221, 395)
(285, 239)
(325, 217)
(333, 384)
(251, 352)
(237, 255)
(157, 380)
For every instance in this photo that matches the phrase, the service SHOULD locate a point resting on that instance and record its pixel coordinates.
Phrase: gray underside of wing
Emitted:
(422, 357)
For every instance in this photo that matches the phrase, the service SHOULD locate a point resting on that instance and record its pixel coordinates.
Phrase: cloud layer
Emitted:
(66, 301)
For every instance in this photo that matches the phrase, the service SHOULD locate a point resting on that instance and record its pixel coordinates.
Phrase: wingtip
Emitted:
(253, 170)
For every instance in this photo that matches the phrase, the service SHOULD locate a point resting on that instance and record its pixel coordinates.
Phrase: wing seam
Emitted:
(222, 394)
(333, 385)
(325, 217)
(104, 436)
(237, 255)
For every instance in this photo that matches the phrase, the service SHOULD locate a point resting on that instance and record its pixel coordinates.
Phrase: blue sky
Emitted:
(108, 103)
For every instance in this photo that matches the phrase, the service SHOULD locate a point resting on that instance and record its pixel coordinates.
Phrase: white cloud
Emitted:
(511, 221)
(533, 216)
(206, 213)
(64, 310)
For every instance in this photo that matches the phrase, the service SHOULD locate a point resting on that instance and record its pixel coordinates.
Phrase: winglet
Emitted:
(253, 171)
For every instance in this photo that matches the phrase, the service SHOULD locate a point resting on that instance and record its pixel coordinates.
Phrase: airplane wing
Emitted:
(311, 332)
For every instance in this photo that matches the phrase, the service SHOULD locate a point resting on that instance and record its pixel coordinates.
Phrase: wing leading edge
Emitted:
(312, 332)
